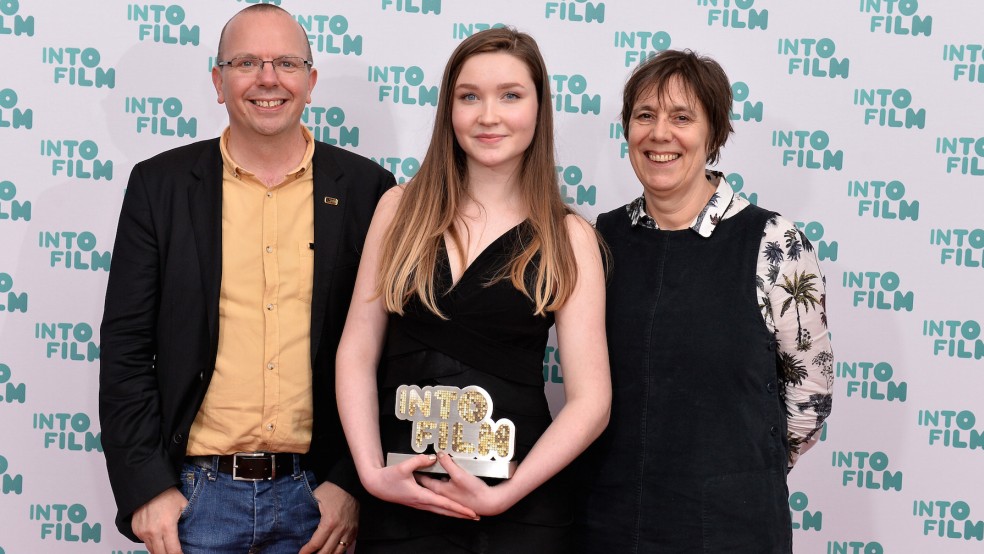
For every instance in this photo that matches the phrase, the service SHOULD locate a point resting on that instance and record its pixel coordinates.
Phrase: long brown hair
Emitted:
(431, 201)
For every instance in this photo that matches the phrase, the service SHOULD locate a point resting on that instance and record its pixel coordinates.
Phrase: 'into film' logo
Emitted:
(552, 370)
(854, 547)
(803, 519)
(867, 470)
(570, 95)
(889, 108)
(743, 109)
(737, 183)
(160, 116)
(402, 168)
(12, 23)
(897, 17)
(413, 6)
(63, 431)
(617, 133)
(966, 60)
(883, 200)
(575, 10)
(11, 300)
(66, 523)
(807, 149)
(461, 31)
(814, 57)
(327, 125)
(639, 46)
(878, 290)
(403, 85)
(813, 231)
(571, 189)
(79, 67)
(74, 250)
(959, 247)
(67, 341)
(964, 155)
(946, 519)
(76, 159)
(10, 392)
(952, 429)
(10, 207)
(872, 381)
(10, 483)
(12, 116)
(957, 339)
(330, 34)
(162, 24)
(737, 14)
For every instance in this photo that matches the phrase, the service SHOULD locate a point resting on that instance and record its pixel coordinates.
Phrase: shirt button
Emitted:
(269, 426)
(269, 249)
(270, 365)
(269, 306)
(269, 194)
(774, 430)
(771, 387)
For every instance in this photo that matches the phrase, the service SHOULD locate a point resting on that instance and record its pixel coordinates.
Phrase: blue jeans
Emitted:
(237, 517)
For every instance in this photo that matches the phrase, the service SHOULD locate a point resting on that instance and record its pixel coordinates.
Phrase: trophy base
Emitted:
(495, 469)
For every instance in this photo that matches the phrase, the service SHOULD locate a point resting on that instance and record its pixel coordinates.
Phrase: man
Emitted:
(231, 279)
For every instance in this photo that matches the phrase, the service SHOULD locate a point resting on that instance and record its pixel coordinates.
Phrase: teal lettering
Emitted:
(15, 393)
(13, 484)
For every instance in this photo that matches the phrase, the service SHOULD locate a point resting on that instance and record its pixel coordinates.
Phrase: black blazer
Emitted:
(159, 333)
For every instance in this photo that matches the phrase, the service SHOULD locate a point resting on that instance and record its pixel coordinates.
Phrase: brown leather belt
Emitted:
(250, 466)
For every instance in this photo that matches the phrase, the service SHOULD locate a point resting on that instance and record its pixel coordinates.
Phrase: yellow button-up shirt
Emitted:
(260, 394)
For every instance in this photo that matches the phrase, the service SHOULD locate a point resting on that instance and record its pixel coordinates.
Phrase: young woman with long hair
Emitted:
(464, 271)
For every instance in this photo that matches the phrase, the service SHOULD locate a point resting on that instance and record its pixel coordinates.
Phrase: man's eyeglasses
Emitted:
(250, 64)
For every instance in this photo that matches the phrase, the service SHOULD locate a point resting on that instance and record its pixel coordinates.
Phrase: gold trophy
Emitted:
(457, 421)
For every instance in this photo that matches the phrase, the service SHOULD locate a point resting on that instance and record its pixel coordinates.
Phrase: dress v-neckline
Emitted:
(467, 269)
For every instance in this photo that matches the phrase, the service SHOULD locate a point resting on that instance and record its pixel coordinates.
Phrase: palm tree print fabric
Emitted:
(792, 294)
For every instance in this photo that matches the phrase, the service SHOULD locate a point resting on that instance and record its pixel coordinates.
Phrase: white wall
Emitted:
(889, 468)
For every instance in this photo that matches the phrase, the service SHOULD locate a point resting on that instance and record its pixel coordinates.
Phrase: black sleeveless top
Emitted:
(694, 456)
(491, 339)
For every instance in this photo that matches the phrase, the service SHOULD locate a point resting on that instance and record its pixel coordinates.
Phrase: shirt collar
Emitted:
(239, 171)
(708, 218)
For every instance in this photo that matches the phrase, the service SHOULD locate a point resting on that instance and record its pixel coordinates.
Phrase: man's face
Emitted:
(267, 104)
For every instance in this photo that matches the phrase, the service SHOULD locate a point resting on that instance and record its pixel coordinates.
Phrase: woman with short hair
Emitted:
(721, 364)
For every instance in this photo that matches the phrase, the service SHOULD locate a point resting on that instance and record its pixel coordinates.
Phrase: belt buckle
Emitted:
(253, 455)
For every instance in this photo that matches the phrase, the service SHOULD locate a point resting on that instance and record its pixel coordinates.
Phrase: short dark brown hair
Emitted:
(703, 79)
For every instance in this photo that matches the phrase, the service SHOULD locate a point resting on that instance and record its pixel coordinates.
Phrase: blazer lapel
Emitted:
(205, 207)
(329, 210)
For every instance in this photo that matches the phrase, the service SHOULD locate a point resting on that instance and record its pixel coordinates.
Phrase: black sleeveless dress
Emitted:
(694, 457)
(490, 339)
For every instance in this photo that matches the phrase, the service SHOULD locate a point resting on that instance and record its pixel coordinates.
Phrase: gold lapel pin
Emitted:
(331, 201)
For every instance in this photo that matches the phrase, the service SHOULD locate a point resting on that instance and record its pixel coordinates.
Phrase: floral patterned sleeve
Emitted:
(792, 297)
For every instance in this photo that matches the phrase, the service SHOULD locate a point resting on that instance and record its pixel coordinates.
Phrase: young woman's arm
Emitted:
(355, 384)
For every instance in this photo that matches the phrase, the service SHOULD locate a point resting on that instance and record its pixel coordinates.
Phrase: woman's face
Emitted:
(668, 141)
(494, 110)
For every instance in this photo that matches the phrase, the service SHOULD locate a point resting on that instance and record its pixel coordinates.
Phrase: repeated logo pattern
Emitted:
(878, 99)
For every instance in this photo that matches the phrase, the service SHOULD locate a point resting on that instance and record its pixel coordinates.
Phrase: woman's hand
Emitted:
(467, 490)
(397, 484)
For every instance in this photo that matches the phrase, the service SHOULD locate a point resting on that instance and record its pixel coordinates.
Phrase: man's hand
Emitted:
(156, 522)
(339, 521)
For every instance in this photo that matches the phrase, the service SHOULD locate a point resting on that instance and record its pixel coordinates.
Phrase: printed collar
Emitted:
(708, 218)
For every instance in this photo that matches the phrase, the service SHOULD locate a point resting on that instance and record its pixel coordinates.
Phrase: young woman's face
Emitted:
(494, 111)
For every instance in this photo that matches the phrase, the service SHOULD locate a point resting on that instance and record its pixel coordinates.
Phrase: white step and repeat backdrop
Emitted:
(861, 119)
